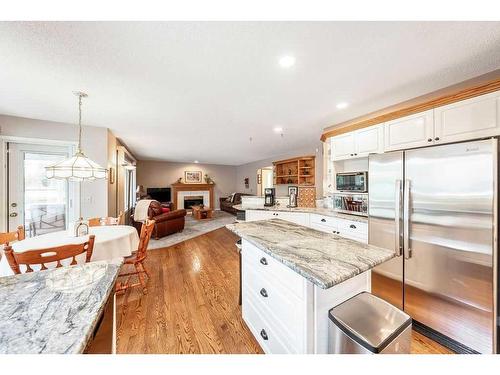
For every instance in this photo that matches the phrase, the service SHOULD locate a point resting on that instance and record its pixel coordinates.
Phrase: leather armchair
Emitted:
(165, 222)
(227, 206)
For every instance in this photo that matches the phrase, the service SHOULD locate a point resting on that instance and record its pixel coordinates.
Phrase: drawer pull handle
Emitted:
(263, 261)
(263, 333)
(323, 220)
(263, 292)
(352, 226)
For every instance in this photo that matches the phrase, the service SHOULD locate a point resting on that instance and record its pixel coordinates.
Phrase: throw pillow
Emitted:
(165, 209)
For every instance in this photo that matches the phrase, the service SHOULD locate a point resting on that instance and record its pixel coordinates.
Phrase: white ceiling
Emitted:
(182, 91)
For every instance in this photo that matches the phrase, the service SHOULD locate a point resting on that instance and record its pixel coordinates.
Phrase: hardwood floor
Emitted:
(192, 303)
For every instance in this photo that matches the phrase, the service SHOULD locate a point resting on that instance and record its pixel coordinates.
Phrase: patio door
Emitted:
(42, 205)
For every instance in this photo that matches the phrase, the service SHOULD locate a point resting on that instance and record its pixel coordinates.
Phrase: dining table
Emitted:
(111, 242)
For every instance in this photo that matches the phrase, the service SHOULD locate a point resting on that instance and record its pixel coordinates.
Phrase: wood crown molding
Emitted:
(477, 86)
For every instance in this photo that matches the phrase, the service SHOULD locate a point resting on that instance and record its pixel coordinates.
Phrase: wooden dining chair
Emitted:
(48, 255)
(137, 261)
(7, 237)
(98, 221)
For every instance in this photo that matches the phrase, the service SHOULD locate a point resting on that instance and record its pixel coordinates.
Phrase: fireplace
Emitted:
(192, 200)
(183, 193)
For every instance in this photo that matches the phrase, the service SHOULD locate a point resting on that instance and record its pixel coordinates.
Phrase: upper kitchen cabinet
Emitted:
(408, 132)
(472, 118)
(358, 143)
(343, 146)
(369, 140)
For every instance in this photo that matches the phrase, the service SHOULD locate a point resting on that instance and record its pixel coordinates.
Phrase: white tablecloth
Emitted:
(111, 241)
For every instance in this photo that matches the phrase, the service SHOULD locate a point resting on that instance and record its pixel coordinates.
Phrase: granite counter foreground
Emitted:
(54, 311)
(322, 258)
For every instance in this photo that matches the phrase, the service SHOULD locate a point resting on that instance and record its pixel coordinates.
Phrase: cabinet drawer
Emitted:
(354, 236)
(324, 221)
(353, 227)
(262, 330)
(324, 228)
(282, 309)
(293, 217)
(266, 266)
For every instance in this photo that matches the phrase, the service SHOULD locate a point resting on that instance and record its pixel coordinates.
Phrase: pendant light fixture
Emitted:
(79, 167)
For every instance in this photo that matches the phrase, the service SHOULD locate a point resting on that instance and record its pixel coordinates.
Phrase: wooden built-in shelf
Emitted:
(291, 171)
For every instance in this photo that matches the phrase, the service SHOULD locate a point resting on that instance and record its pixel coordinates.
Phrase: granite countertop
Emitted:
(319, 211)
(322, 258)
(54, 311)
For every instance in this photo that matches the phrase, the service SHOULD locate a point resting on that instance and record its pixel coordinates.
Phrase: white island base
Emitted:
(286, 312)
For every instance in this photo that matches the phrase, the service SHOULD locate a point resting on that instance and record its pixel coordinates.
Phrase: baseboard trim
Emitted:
(446, 341)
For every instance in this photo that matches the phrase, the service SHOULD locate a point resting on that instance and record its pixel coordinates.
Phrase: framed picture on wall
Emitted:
(294, 190)
(193, 177)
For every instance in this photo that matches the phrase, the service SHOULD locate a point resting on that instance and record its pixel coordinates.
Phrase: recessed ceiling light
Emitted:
(278, 129)
(287, 61)
(342, 105)
(196, 161)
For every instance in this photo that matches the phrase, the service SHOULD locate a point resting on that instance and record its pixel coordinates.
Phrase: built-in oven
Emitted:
(352, 181)
(351, 203)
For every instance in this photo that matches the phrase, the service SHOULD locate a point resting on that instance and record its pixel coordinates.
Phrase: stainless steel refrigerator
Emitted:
(437, 208)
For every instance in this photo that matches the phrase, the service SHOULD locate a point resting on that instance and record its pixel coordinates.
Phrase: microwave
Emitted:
(351, 203)
(352, 181)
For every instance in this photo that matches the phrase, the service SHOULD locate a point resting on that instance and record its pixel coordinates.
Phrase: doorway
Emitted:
(40, 204)
(264, 179)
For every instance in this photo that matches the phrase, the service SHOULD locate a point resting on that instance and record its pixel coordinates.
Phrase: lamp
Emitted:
(79, 167)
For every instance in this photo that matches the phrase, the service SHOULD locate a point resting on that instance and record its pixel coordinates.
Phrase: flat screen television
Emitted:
(159, 194)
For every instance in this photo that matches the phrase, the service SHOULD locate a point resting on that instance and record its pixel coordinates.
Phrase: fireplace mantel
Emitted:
(192, 187)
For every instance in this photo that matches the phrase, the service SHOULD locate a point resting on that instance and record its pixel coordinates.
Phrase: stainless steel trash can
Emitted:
(365, 324)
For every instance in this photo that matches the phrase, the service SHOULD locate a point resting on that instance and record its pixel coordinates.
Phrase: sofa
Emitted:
(166, 221)
(226, 204)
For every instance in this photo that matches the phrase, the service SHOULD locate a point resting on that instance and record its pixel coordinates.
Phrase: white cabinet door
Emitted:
(369, 140)
(343, 146)
(472, 118)
(411, 131)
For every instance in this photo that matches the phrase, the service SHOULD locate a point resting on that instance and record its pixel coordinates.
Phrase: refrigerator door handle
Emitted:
(397, 219)
(406, 220)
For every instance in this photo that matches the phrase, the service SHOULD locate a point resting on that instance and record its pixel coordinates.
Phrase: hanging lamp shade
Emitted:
(78, 167)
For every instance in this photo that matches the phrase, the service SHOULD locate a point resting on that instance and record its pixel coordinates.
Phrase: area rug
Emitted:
(194, 228)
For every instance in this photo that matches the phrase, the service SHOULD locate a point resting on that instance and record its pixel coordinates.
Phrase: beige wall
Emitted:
(250, 170)
(163, 174)
(94, 194)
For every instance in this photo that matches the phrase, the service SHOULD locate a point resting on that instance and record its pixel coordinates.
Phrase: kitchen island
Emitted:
(62, 310)
(292, 275)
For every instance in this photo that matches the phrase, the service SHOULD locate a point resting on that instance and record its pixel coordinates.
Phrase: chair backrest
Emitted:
(97, 221)
(7, 237)
(48, 255)
(146, 231)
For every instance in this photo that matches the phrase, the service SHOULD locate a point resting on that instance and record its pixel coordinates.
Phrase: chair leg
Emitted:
(142, 279)
(145, 271)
